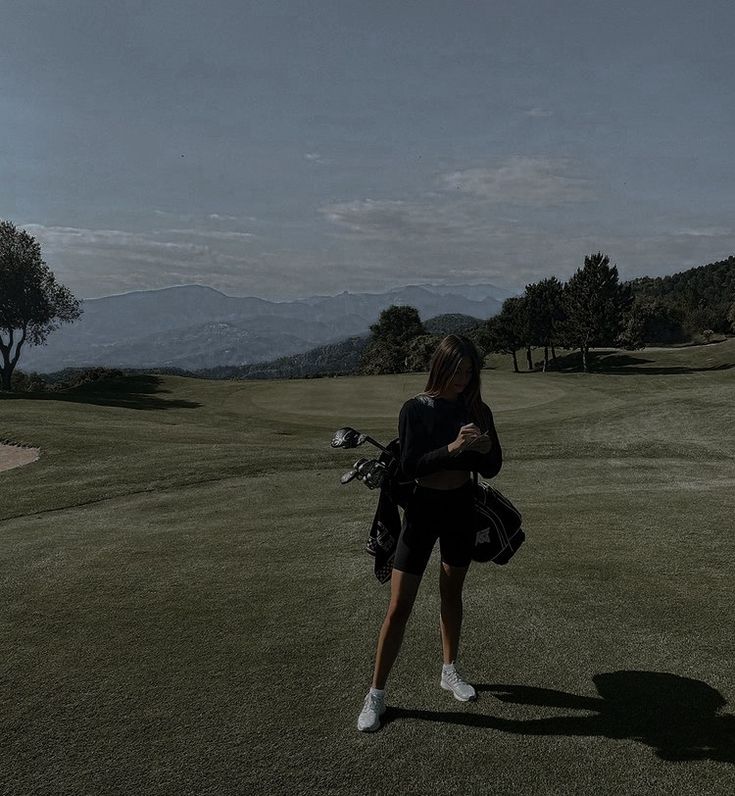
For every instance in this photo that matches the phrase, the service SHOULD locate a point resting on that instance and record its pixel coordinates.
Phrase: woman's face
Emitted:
(463, 375)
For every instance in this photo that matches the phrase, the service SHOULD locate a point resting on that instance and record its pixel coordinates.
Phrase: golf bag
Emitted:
(498, 533)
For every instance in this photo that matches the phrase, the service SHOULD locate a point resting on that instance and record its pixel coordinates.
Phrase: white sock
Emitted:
(377, 691)
(448, 667)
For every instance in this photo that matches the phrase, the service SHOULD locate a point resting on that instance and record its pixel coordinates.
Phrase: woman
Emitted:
(445, 432)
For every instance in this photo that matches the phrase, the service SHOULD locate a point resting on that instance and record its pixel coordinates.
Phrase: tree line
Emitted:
(690, 302)
(593, 309)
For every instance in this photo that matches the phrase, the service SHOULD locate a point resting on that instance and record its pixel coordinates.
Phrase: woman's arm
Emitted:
(487, 464)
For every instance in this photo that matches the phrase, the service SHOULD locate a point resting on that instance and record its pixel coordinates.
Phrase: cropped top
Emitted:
(427, 425)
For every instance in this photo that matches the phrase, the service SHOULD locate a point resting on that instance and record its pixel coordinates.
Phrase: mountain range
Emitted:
(197, 327)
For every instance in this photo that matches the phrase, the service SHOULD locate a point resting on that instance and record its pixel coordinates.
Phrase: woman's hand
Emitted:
(481, 444)
(467, 434)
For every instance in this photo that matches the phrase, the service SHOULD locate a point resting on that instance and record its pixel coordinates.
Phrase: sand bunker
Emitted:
(16, 456)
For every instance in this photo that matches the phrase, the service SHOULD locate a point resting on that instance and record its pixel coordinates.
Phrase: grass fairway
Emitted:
(187, 607)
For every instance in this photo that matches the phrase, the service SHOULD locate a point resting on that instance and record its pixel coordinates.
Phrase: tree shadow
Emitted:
(612, 361)
(677, 716)
(130, 392)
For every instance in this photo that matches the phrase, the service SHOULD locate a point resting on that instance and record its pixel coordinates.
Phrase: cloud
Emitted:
(146, 246)
(467, 241)
(210, 233)
(103, 261)
(466, 207)
(315, 157)
(376, 244)
(216, 218)
(394, 219)
(73, 238)
(522, 180)
(705, 232)
(538, 113)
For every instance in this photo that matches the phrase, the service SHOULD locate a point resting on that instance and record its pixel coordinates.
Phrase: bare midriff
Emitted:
(445, 479)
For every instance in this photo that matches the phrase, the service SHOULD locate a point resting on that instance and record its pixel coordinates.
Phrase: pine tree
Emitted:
(545, 311)
(594, 303)
(508, 330)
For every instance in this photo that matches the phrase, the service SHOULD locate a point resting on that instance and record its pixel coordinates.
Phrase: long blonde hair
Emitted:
(445, 362)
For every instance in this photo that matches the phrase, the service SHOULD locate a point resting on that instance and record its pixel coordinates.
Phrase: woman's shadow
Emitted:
(678, 716)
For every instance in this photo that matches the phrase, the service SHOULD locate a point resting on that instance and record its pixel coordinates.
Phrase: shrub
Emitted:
(72, 379)
(28, 382)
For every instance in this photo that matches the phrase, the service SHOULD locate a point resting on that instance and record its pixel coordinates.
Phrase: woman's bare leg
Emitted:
(451, 580)
(403, 589)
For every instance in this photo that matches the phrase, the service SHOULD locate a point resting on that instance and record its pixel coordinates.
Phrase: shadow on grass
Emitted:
(677, 716)
(131, 392)
(612, 361)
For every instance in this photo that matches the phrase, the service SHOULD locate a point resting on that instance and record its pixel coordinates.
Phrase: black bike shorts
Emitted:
(446, 514)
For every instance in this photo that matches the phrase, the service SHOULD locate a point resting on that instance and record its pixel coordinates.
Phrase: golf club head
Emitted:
(371, 472)
(355, 472)
(347, 438)
(348, 476)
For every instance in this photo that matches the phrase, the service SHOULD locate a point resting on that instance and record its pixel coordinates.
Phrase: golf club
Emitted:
(348, 437)
(351, 474)
(371, 473)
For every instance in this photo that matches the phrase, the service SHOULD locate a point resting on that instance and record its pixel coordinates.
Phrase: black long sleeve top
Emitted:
(427, 425)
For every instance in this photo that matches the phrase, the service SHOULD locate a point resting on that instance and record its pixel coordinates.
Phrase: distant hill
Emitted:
(195, 327)
(216, 341)
(336, 359)
(454, 323)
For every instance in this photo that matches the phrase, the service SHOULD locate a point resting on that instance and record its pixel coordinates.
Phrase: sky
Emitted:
(285, 149)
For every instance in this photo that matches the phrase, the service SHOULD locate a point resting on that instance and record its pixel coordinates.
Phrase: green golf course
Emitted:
(187, 606)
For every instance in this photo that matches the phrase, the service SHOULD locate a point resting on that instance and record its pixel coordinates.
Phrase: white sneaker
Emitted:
(372, 710)
(451, 681)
